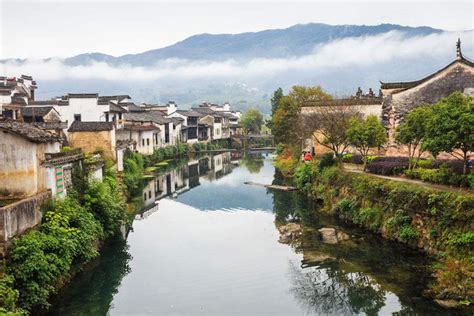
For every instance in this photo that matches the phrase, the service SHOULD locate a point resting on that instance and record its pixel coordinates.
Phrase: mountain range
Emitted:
(297, 40)
(245, 68)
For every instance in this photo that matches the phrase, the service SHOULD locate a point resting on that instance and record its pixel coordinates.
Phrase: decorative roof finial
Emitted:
(458, 49)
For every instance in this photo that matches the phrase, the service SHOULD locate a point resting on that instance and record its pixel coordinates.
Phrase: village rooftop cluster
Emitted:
(42, 139)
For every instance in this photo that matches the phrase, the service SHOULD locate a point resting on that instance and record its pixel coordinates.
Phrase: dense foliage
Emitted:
(388, 165)
(134, 167)
(275, 101)
(69, 235)
(252, 121)
(9, 297)
(169, 152)
(285, 122)
(412, 133)
(451, 127)
(365, 134)
(439, 222)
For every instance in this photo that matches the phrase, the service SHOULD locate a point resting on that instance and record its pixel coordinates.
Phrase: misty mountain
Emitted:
(244, 69)
(295, 41)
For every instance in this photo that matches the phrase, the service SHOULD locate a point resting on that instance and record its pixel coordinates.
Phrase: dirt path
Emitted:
(358, 169)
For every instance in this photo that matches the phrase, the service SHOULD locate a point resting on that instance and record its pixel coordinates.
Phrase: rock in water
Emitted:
(289, 232)
(342, 236)
(328, 235)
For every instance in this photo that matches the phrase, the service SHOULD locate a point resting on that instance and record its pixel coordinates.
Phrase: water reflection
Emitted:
(92, 292)
(212, 248)
(333, 291)
(183, 176)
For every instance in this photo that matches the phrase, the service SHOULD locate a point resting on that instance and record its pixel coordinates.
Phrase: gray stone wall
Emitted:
(18, 217)
(396, 105)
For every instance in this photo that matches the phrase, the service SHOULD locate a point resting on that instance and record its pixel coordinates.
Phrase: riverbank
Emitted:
(438, 223)
(71, 234)
(228, 228)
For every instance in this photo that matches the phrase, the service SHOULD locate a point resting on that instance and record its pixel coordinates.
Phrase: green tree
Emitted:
(107, 203)
(309, 96)
(451, 127)
(286, 121)
(412, 133)
(252, 121)
(275, 101)
(328, 125)
(365, 134)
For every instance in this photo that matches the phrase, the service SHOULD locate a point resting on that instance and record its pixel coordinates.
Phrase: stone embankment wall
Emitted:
(431, 220)
(18, 217)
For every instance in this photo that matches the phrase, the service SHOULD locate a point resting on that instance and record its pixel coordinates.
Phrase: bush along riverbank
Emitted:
(70, 235)
(438, 223)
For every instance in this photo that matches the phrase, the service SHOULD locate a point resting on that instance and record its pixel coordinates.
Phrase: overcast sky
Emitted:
(37, 29)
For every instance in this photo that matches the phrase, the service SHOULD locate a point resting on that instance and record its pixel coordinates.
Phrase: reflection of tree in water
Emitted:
(252, 161)
(333, 291)
(294, 205)
(92, 292)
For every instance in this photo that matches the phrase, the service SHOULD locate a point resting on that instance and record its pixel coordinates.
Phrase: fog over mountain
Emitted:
(245, 68)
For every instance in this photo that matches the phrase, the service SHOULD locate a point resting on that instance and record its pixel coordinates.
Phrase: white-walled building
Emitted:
(15, 93)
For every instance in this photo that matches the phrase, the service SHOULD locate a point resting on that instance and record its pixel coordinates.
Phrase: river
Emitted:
(206, 244)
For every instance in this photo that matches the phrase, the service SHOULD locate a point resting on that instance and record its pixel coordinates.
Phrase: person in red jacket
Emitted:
(307, 156)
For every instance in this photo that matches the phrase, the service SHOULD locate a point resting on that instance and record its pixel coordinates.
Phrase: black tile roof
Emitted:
(114, 97)
(410, 84)
(82, 95)
(78, 126)
(132, 107)
(147, 116)
(49, 102)
(190, 113)
(116, 108)
(37, 111)
(28, 131)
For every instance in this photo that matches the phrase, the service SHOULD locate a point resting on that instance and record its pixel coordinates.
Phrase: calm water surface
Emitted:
(206, 244)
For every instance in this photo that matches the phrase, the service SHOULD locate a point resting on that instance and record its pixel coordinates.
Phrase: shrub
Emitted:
(303, 176)
(443, 175)
(368, 217)
(399, 219)
(286, 162)
(347, 156)
(454, 280)
(68, 217)
(38, 260)
(407, 233)
(345, 207)
(107, 204)
(461, 240)
(352, 158)
(9, 297)
(134, 166)
(425, 163)
(278, 149)
(388, 165)
(371, 158)
(326, 161)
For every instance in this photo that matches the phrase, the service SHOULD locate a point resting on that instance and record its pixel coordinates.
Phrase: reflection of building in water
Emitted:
(235, 156)
(221, 165)
(181, 179)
